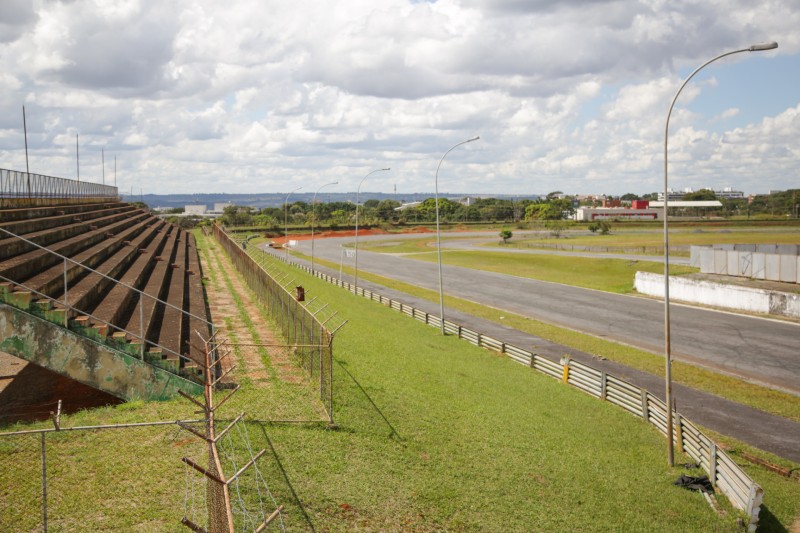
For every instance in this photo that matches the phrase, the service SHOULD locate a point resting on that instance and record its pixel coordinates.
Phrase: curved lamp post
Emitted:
(286, 220)
(667, 347)
(357, 191)
(438, 236)
(313, 219)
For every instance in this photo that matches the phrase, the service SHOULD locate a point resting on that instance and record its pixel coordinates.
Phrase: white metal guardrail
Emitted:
(16, 185)
(728, 477)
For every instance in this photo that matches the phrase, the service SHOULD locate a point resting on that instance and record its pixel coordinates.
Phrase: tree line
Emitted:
(554, 206)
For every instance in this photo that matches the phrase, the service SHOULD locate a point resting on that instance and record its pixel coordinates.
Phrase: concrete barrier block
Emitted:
(732, 267)
(767, 248)
(746, 264)
(759, 266)
(772, 266)
(788, 268)
(720, 262)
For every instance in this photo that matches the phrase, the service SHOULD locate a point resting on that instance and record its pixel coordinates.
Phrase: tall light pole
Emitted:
(314, 216)
(286, 220)
(438, 236)
(667, 347)
(357, 192)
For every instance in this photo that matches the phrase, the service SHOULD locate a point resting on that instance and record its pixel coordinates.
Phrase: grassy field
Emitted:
(765, 399)
(433, 434)
(610, 275)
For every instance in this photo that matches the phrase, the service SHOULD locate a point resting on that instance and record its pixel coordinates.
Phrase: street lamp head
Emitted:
(473, 139)
(386, 169)
(759, 47)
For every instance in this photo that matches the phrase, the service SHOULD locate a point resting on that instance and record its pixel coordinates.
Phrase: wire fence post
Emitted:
(66, 301)
(141, 325)
(44, 481)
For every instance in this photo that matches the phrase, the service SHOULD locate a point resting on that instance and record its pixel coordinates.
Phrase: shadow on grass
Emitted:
(278, 462)
(394, 433)
(769, 522)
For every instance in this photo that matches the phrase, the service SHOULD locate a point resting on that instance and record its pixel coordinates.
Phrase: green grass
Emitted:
(610, 275)
(765, 399)
(433, 434)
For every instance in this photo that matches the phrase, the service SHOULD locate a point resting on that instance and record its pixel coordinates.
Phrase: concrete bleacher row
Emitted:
(132, 280)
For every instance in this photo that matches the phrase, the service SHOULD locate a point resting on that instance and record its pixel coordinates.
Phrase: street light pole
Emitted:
(313, 219)
(438, 236)
(356, 245)
(667, 347)
(286, 220)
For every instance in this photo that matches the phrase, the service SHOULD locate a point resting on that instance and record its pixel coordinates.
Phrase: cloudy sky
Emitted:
(246, 96)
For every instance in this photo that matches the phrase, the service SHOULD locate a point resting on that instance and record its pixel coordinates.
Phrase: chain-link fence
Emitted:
(281, 383)
(141, 478)
(308, 341)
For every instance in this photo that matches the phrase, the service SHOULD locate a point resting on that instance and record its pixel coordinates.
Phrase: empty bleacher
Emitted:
(110, 271)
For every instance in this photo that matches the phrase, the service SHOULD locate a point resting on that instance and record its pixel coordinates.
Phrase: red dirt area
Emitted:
(280, 241)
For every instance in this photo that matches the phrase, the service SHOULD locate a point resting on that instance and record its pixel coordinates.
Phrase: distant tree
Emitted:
(701, 195)
(553, 194)
(603, 226)
(505, 235)
(557, 227)
(628, 197)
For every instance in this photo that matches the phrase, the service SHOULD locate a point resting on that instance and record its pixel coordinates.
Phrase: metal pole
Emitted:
(44, 482)
(313, 219)
(103, 159)
(286, 220)
(356, 245)
(667, 347)
(438, 236)
(27, 166)
(77, 157)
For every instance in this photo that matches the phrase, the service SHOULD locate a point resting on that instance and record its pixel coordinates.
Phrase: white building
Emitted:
(195, 209)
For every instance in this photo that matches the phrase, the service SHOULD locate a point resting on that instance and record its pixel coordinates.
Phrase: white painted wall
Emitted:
(720, 295)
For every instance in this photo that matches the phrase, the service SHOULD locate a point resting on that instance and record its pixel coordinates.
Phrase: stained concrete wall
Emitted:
(85, 360)
(720, 295)
(773, 262)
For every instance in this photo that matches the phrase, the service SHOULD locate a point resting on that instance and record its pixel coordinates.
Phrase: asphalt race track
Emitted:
(760, 350)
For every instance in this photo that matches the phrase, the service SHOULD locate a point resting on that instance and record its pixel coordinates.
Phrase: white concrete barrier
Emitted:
(722, 295)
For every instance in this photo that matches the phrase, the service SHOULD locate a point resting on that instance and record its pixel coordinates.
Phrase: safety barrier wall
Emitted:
(728, 477)
(772, 262)
(18, 187)
(312, 341)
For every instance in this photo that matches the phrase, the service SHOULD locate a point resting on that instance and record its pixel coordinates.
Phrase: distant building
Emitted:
(727, 193)
(219, 207)
(195, 210)
(641, 212)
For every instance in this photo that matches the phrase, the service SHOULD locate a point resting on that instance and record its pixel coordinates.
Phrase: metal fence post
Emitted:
(44, 481)
(66, 301)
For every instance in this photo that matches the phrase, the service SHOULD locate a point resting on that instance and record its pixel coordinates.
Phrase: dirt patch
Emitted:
(29, 392)
(228, 315)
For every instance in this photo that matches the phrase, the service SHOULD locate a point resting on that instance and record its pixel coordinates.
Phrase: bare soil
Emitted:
(226, 314)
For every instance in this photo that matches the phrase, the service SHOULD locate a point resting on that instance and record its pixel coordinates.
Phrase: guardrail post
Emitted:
(678, 431)
(603, 385)
(644, 405)
(565, 374)
(712, 464)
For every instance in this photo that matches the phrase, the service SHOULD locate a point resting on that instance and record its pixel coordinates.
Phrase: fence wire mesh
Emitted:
(307, 342)
(280, 383)
(133, 478)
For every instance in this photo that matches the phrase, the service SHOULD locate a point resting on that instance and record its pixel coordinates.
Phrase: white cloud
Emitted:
(252, 96)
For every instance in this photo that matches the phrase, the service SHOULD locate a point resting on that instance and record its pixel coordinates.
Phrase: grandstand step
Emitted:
(19, 299)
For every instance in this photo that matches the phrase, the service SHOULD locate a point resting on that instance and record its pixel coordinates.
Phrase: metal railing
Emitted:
(70, 310)
(16, 185)
(728, 477)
